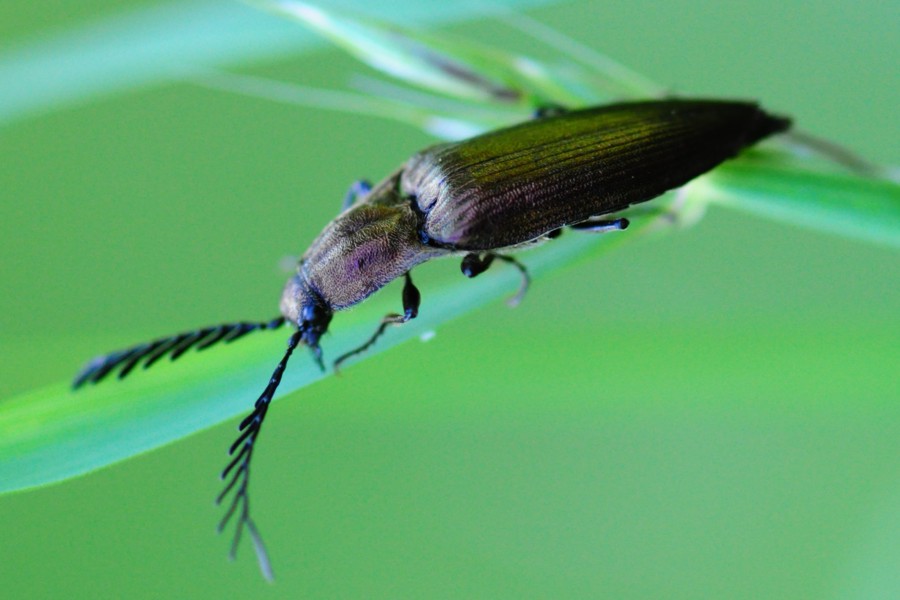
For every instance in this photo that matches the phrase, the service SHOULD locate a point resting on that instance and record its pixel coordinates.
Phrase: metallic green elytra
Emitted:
(479, 199)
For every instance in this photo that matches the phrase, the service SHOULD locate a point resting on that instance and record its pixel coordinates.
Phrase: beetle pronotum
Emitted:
(478, 199)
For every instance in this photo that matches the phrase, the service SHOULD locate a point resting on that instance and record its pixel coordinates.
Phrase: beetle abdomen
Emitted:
(514, 185)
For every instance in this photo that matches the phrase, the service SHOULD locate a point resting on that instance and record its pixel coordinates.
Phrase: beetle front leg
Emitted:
(360, 187)
(473, 264)
(411, 300)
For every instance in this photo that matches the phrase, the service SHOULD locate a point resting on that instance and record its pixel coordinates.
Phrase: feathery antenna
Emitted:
(173, 346)
(237, 472)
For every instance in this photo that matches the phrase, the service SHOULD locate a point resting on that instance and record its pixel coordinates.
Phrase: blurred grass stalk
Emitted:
(452, 89)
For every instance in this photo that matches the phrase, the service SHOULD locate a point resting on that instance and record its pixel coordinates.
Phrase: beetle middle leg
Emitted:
(411, 300)
(474, 264)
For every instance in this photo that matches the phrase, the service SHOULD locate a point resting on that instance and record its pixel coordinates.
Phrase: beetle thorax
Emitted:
(359, 252)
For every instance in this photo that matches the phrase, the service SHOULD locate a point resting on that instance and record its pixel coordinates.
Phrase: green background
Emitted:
(711, 415)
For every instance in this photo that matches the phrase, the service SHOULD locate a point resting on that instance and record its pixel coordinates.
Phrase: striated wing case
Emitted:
(513, 185)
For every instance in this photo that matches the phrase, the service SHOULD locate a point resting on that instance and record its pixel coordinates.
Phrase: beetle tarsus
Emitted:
(316, 351)
(474, 264)
(601, 225)
(237, 472)
(411, 300)
(526, 279)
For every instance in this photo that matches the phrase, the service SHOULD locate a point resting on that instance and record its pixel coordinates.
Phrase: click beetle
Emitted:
(477, 199)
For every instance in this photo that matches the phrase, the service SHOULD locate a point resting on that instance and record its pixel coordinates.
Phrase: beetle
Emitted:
(479, 199)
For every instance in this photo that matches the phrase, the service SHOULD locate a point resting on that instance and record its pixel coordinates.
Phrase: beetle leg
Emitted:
(473, 264)
(316, 352)
(411, 300)
(360, 187)
(601, 225)
(549, 110)
(526, 279)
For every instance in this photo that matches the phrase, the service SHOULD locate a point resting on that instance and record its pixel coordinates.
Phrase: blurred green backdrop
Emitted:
(712, 415)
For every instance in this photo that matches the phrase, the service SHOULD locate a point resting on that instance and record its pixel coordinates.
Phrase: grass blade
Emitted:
(165, 43)
(862, 208)
(53, 433)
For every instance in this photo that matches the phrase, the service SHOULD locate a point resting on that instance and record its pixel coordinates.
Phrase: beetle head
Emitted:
(303, 306)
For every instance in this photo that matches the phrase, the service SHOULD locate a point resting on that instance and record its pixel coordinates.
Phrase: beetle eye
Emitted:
(308, 313)
(315, 315)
